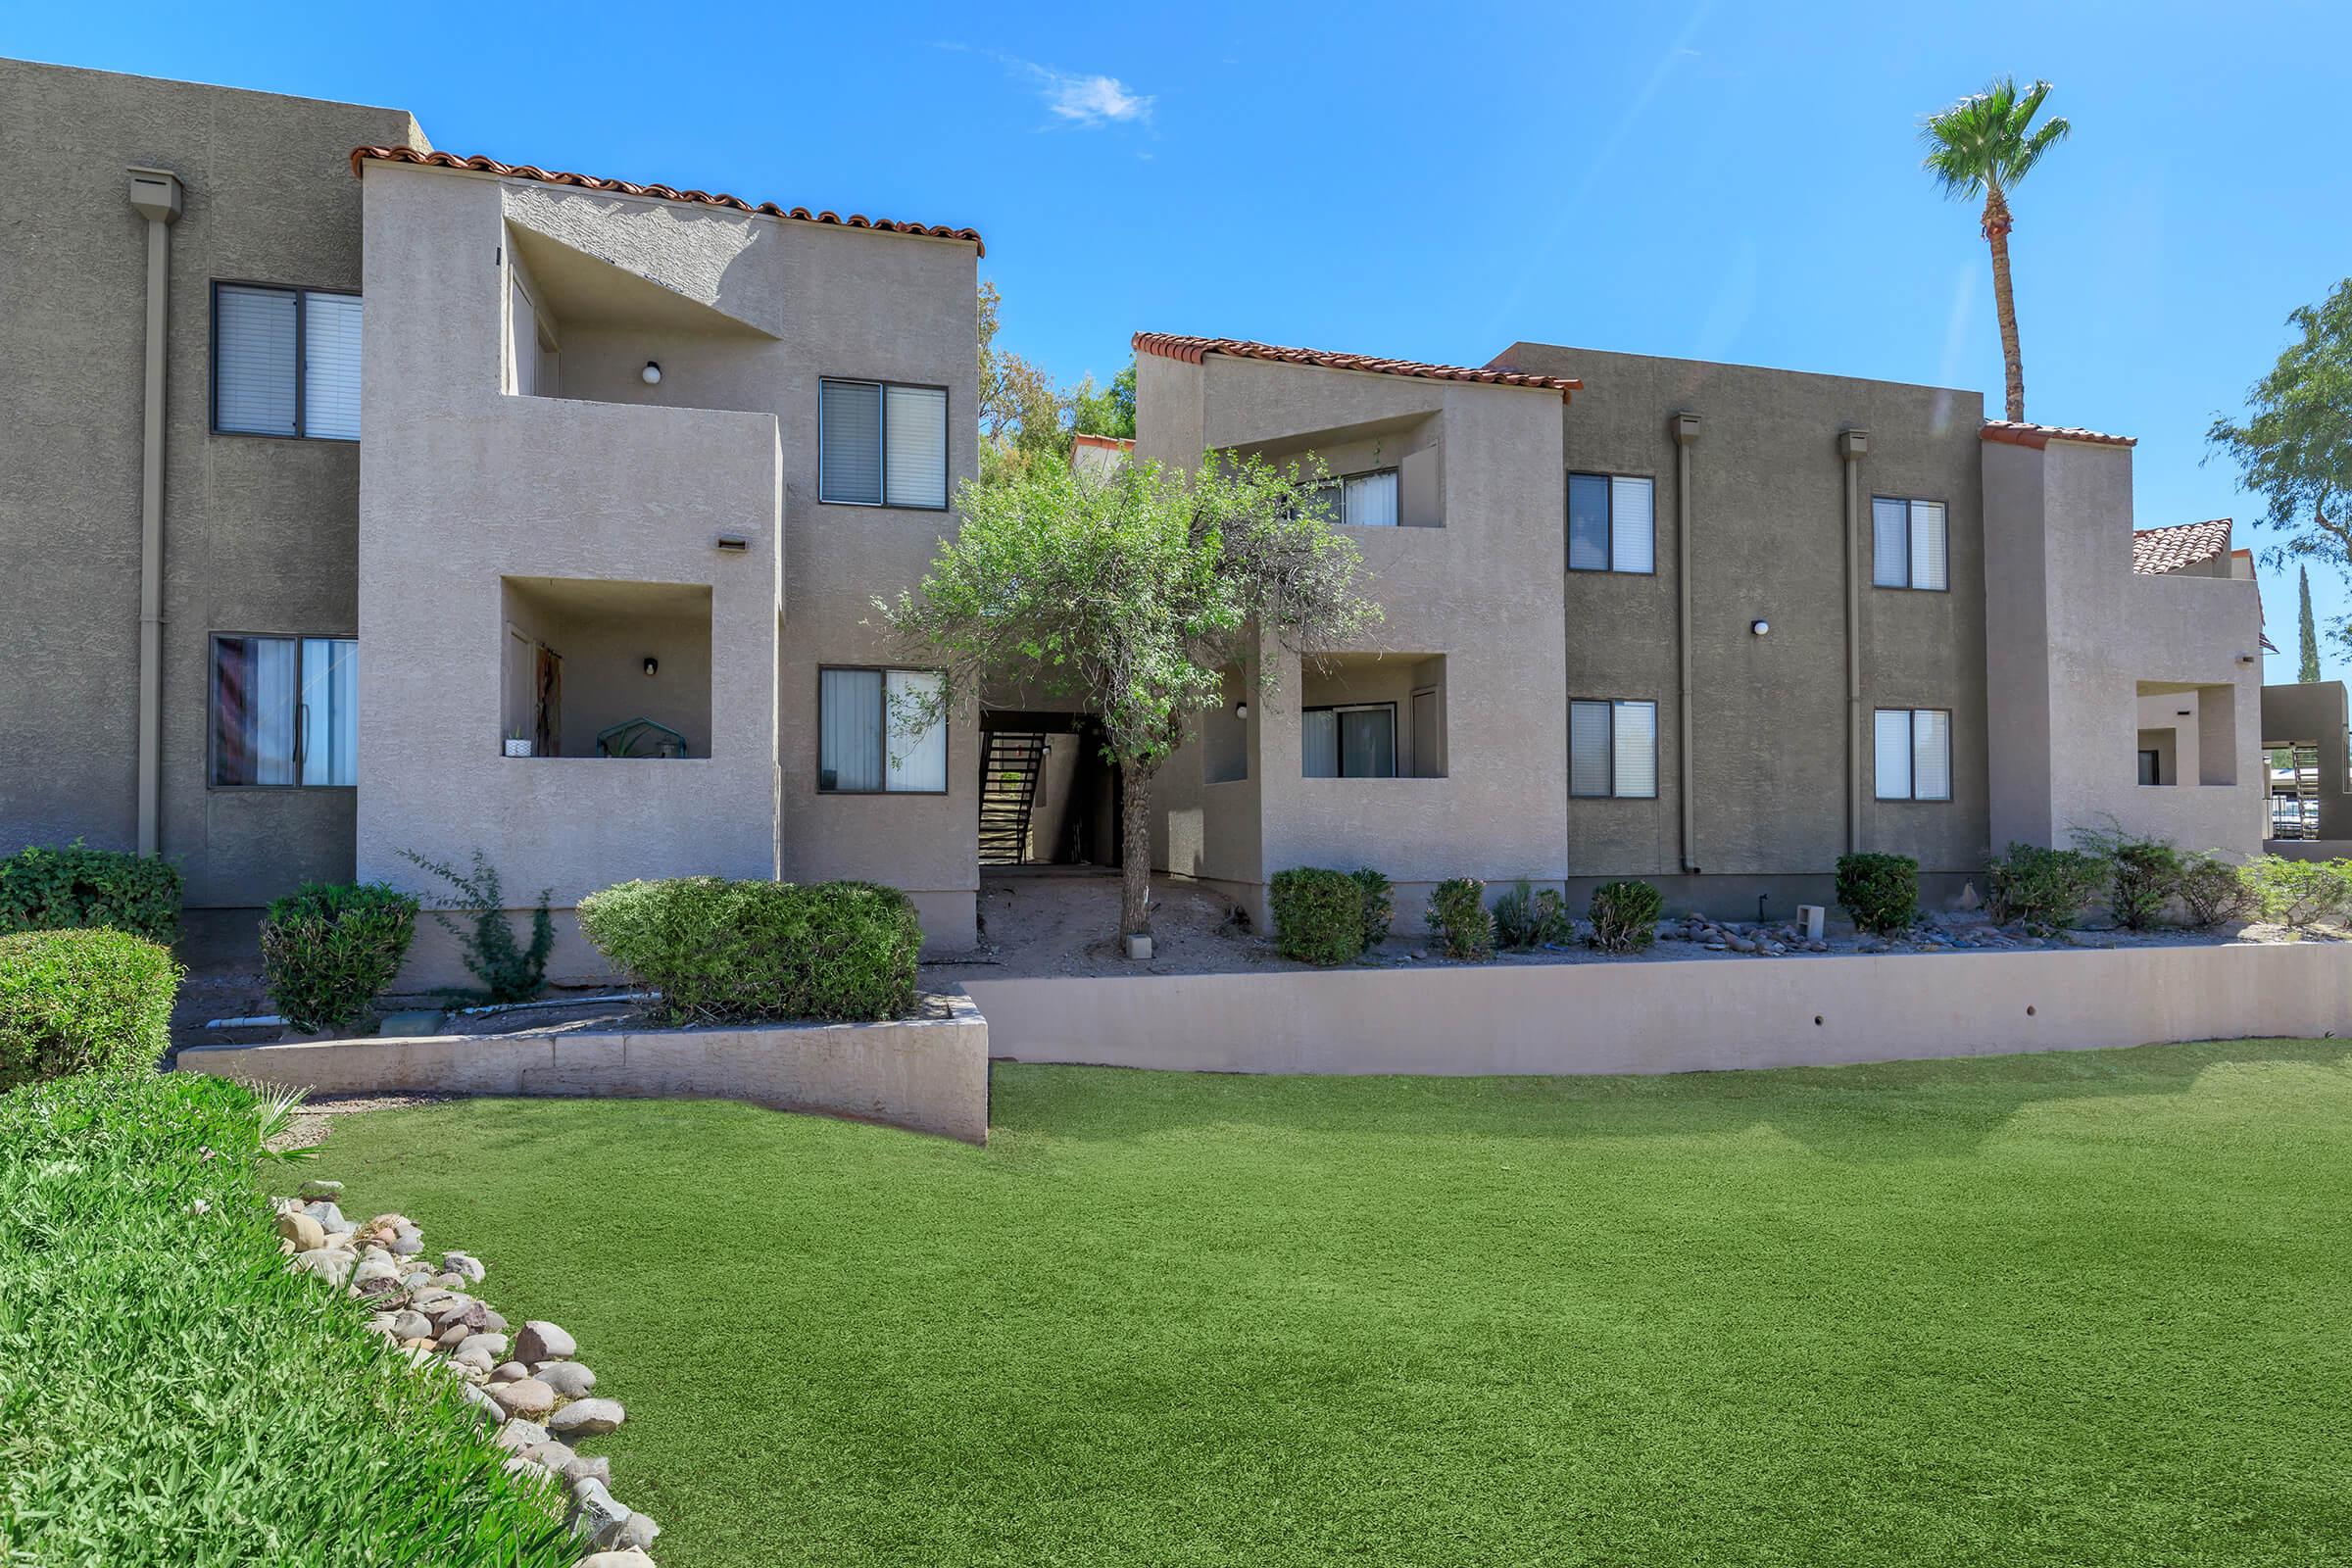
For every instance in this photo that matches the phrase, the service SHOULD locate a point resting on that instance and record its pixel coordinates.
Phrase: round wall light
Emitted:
(1760, 628)
(653, 666)
(652, 374)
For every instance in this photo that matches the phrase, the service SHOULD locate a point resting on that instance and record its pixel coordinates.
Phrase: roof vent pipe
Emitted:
(155, 195)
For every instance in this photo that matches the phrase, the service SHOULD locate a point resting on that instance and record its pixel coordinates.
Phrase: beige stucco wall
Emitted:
(618, 479)
(2080, 643)
(1669, 1017)
(260, 535)
(927, 1074)
(1768, 543)
(2315, 711)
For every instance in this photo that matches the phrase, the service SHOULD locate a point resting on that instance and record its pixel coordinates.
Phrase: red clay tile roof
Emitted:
(2155, 551)
(2042, 436)
(548, 177)
(1192, 349)
(1109, 443)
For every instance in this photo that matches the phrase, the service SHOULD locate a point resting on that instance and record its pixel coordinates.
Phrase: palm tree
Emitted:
(1983, 146)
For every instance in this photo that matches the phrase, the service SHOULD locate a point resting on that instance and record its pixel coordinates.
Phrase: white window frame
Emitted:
(302, 371)
(1880, 574)
(1910, 716)
(947, 772)
(1610, 482)
(882, 391)
(1617, 790)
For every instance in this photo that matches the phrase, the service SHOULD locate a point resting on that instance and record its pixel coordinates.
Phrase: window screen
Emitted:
(253, 360)
(330, 366)
(1633, 740)
(914, 429)
(1633, 545)
(849, 443)
(1589, 730)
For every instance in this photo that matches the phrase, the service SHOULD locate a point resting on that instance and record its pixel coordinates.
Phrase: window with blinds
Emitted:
(879, 444)
(1356, 740)
(1613, 524)
(1910, 544)
(285, 711)
(1613, 748)
(285, 362)
(1914, 754)
(878, 733)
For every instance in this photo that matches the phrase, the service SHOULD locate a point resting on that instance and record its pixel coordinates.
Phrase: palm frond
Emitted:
(1986, 140)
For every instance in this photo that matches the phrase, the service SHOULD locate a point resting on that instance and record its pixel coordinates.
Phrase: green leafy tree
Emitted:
(2309, 668)
(1109, 410)
(2294, 449)
(1984, 146)
(1129, 596)
(1023, 414)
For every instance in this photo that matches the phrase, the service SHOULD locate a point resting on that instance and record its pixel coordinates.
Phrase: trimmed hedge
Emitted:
(87, 1001)
(1880, 891)
(57, 890)
(1458, 914)
(330, 950)
(171, 1394)
(722, 951)
(2045, 888)
(1318, 914)
(1380, 905)
(1624, 915)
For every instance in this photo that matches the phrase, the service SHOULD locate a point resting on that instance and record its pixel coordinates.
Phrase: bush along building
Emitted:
(367, 501)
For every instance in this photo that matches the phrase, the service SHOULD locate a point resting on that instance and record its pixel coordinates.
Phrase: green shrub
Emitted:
(721, 951)
(507, 970)
(2299, 892)
(1380, 906)
(56, 890)
(1880, 891)
(96, 1000)
(1458, 914)
(2142, 874)
(330, 950)
(1318, 914)
(1624, 915)
(1527, 918)
(2213, 889)
(2045, 888)
(171, 1394)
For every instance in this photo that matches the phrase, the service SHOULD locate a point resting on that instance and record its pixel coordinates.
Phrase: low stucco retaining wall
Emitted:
(927, 1074)
(1669, 1015)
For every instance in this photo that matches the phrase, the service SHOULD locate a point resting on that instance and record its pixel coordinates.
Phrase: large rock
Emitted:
(579, 1468)
(412, 1325)
(495, 1344)
(306, 1233)
(519, 1436)
(544, 1341)
(485, 1409)
(460, 1263)
(557, 1455)
(373, 1270)
(478, 1359)
(329, 1217)
(569, 1379)
(408, 1243)
(597, 1516)
(528, 1398)
(509, 1372)
(638, 1529)
(586, 1418)
(326, 1263)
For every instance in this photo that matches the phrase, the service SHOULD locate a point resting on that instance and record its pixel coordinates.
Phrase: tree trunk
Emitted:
(1996, 227)
(1134, 853)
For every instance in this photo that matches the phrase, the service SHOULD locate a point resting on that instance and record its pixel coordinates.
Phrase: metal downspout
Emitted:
(1852, 445)
(1684, 427)
(156, 196)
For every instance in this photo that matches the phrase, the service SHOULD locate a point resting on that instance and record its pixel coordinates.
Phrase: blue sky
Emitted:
(1712, 180)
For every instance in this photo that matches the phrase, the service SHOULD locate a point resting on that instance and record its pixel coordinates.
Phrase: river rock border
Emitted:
(531, 1387)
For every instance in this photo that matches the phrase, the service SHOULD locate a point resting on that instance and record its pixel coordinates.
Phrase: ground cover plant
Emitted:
(2081, 1307)
(44, 889)
(171, 1395)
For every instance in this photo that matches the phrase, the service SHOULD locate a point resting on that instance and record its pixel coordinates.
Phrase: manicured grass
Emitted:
(2063, 1308)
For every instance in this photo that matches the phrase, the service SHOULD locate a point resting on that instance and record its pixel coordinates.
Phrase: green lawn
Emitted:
(2050, 1310)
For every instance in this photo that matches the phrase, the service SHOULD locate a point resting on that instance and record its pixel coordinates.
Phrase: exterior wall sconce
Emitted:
(1760, 628)
(652, 374)
(652, 665)
(1240, 710)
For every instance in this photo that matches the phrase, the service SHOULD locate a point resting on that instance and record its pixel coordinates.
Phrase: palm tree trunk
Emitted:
(1135, 853)
(1996, 227)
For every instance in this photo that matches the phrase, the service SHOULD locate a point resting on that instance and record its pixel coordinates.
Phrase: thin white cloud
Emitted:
(1090, 101)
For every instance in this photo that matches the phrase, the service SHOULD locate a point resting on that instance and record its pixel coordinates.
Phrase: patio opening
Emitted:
(1373, 715)
(595, 669)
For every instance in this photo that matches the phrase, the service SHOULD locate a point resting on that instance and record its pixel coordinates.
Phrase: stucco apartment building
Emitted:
(1711, 625)
(403, 463)
(363, 500)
